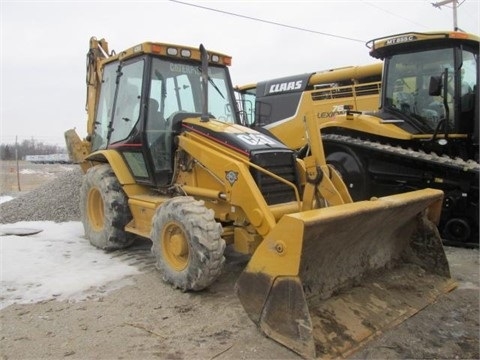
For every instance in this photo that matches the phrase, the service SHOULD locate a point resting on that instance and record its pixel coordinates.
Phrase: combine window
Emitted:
(408, 90)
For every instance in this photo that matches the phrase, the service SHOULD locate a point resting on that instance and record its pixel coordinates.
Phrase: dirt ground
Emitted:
(147, 319)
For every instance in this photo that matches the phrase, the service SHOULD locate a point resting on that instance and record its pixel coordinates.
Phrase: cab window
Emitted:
(127, 105)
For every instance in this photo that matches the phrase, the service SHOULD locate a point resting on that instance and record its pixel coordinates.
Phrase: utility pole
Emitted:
(454, 2)
(16, 160)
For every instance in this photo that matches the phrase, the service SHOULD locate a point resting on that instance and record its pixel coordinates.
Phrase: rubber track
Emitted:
(431, 158)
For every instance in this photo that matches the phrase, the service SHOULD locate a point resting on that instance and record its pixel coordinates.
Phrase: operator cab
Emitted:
(431, 90)
(144, 98)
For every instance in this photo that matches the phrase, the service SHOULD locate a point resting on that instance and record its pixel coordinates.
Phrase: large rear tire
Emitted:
(104, 209)
(187, 243)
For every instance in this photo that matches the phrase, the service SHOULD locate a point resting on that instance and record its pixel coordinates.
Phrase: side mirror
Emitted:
(435, 86)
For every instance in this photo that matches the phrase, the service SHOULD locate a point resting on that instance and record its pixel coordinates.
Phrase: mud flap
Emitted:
(325, 281)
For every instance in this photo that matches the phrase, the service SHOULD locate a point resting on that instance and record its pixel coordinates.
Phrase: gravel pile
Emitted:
(57, 200)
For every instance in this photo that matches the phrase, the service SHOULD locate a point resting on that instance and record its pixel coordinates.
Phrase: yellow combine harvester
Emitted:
(277, 105)
(416, 128)
(166, 159)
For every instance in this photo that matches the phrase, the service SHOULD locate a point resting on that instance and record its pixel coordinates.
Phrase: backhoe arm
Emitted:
(77, 148)
(98, 50)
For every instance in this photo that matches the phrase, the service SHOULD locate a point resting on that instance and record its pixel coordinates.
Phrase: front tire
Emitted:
(104, 209)
(187, 243)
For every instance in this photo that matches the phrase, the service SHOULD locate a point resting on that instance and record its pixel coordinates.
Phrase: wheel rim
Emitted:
(95, 211)
(351, 170)
(457, 230)
(175, 247)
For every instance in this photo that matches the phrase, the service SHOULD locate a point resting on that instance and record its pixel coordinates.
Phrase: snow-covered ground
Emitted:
(55, 263)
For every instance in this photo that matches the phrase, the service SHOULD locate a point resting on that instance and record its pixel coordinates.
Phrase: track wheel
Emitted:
(187, 243)
(457, 230)
(351, 169)
(104, 209)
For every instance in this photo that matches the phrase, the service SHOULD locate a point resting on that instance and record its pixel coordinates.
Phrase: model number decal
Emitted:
(337, 110)
(400, 39)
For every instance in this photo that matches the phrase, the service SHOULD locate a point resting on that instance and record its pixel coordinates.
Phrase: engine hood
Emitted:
(239, 138)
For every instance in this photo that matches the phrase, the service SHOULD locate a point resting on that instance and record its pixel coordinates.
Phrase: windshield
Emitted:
(407, 85)
(177, 87)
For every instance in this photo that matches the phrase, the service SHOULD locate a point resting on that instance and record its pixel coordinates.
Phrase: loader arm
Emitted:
(322, 180)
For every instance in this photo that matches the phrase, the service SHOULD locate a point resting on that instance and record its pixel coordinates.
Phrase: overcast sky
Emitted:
(44, 44)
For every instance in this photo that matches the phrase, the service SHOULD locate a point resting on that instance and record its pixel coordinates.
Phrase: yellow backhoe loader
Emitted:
(166, 159)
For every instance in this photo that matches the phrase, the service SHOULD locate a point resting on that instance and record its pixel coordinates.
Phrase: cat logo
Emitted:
(256, 139)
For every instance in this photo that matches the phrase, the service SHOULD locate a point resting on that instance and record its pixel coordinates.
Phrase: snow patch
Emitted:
(5, 198)
(56, 263)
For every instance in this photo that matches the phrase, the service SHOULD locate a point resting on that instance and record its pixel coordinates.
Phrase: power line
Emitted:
(268, 21)
(394, 14)
(439, 4)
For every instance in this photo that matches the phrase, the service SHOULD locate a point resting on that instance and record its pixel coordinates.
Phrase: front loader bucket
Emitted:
(325, 281)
